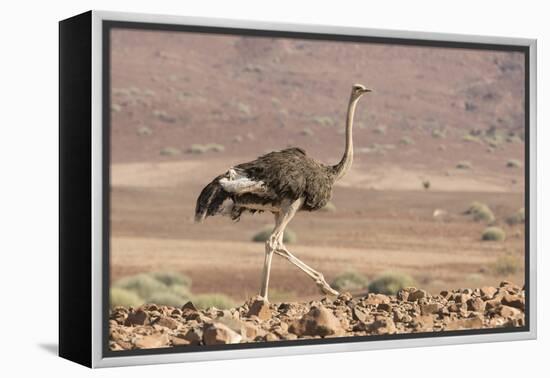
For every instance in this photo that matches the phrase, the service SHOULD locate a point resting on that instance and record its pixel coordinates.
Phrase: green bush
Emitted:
(480, 212)
(172, 278)
(324, 120)
(493, 234)
(471, 138)
(145, 131)
(438, 133)
(350, 281)
(513, 163)
(124, 297)
(167, 298)
(516, 218)
(507, 265)
(220, 301)
(380, 130)
(390, 283)
(288, 237)
(142, 284)
(406, 140)
(169, 151)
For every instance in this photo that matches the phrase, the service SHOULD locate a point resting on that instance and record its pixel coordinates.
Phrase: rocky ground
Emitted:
(411, 310)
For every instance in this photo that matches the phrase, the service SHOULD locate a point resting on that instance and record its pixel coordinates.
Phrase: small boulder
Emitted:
(165, 321)
(514, 301)
(139, 317)
(416, 295)
(260, 308)
(476, 304)
(317, 322)
(488, 292)
(218, 333)
(382, 326)
(156, 340)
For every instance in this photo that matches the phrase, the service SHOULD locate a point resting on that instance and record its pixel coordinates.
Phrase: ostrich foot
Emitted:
(326, 289)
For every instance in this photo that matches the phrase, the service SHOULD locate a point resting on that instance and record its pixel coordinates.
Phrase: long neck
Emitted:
(344, 165)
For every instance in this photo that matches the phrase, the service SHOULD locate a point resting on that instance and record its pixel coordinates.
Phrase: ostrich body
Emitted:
(282, 182)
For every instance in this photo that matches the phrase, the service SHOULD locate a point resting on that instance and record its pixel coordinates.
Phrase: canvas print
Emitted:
(280, 190)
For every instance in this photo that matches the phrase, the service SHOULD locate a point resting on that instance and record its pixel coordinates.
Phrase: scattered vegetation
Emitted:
(324, 121)
(471, 138)
(143, 285)
(390, 283)
(220, 301)
(167, 298)
(464, 165)
(380, 130)
(517, 218)
(164, 116)
(507, 265)
(493, 234)
(306, 132)
(172, 278)
(244, 108)
(513, 163)
(203, 148)
(116, 108)
(480, 212)
(289, 236)
(350, 281)
(426, 184)
(170, 151)
(439, 133)
(145, 131)
(406, 141)
(123, 297)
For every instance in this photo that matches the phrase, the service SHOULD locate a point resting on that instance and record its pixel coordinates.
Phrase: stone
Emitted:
(260, 308)
(468, 323)
(461, 297)
(139, 317)
(384, 307)
(194, 335)
(179, 341)
(476, 304)
(375, 299)
(509, 312)
(416, 295)
(317, 322)
(430, 308)
(189, 307)
(514, 301)
(492, 304)
(382, 326)
(488, 292)
(157, 340)
(218, 333)
(249, 331)
(360, 313)
(167, 322)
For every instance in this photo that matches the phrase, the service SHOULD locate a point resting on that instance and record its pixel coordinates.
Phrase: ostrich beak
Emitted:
(366, 90)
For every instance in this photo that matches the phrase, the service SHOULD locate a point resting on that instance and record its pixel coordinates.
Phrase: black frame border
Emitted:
(108, 25)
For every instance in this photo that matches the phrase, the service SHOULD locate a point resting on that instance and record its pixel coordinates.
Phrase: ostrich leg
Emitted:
(270, 246)
(283, 219)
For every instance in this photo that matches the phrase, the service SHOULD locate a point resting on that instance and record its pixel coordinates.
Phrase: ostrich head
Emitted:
(358, 90)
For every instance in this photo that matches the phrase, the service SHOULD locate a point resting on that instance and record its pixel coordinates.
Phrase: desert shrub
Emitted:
(244, 108)
(513, 163)
(116, 108)
(329, 207)
(480, 212)
(442, 147)
(172, 278)
(464, 165)
(280, 295)
(471, 138)
(390, 283)
(144, 130)
(426, 184)
(169, 151)
(167, 298)
(507, 264)
(406, 141)
(438, 133)
(350, 281)
(288, 237)
(380, 130)
(493, 234)
(220, 301)
(142, 284)
(197, 149)
(323, 120)
(306, 132)
(516, 218)
(164, 116)
(215, 147)
(124, 297)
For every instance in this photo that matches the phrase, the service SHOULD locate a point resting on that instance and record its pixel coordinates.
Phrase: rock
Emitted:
(476, 304)
(468, 323)
(492, 304)
(375, 299)
(249, 331)
(445, 294)
(360, 313)
(514, 301)
(139, 317)
(260, 308)
(509, 312)
(430, 308)
(384, 307)
(167, 322)
(157, 340)
(218, 333)
(416, 295)
(179, 341)
(271, 337)
(317, 322)
(461, 297)
(488, 292)
(382, 326)
(189, 307)
(194, 335)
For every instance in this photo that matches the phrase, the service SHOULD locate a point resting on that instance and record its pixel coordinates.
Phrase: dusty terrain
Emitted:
(430, 110)
(411, 311)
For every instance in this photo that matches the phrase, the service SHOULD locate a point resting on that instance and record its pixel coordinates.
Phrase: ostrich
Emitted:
(282, 182)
